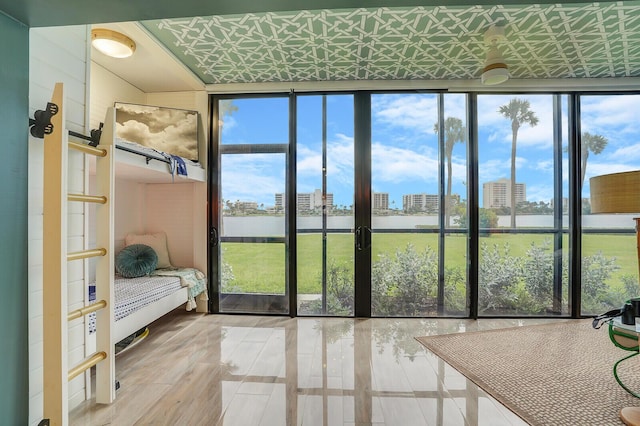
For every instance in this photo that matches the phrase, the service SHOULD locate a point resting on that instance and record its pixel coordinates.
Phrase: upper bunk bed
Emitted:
(155, 144)
(141, 164)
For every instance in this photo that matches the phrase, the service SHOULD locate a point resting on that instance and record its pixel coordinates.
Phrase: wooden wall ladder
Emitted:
(56, 317)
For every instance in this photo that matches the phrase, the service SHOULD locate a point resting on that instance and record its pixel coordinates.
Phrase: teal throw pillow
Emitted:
(136, 260)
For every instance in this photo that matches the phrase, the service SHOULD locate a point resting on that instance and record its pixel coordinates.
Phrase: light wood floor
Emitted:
(196, 369)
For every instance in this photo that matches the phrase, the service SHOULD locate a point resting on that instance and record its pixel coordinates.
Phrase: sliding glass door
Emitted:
(325, 204)
(248, 231)
(418, 181)
(523, 208)
(608, 144)
(418, 204)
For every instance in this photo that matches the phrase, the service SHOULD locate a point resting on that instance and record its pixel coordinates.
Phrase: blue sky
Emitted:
(404, 144)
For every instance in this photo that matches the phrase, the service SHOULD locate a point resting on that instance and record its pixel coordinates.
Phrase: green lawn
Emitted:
(260, 268)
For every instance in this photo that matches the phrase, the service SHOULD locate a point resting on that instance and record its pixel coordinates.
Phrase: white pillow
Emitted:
(157, 241)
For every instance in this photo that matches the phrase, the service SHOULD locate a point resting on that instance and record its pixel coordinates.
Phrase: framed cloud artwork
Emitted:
(170, 130)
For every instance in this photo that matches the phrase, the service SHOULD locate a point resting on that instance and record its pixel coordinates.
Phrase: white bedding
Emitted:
(132, 294)
(141, 149)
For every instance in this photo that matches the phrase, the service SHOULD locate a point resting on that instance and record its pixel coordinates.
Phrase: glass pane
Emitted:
(254, 121)
(455, 266)
(408, 244)
(253, 268)
(610, 131)
(520, 273)
(324, 205)
(455, 187)
(250, 183)
(252, 232)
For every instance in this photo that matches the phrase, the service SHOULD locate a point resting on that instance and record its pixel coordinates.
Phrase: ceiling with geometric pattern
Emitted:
(543, 41)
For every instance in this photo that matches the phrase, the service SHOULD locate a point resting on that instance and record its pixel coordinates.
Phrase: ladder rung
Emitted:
(87, 149)
(87, 363)
(86, 253)
(79, 313)
(100, 199)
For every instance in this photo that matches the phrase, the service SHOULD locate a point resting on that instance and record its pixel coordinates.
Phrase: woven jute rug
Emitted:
(551, 374)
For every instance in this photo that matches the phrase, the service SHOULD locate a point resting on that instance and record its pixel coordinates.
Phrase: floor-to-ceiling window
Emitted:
(250, 228)
(418, 196)
(324, 204)
(609, 143)
(429, 204)
(522, 201)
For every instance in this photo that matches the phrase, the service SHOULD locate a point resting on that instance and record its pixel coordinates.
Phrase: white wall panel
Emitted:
(170, 209)
(129, 209)
(107, 88)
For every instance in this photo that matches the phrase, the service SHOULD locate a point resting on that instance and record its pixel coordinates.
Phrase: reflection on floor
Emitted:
(250, 370)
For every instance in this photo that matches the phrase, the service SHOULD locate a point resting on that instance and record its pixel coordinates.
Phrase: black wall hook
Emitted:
(41, 125)
(95, 135)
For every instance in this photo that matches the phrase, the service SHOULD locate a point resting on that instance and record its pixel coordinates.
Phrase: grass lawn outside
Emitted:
(260, 268)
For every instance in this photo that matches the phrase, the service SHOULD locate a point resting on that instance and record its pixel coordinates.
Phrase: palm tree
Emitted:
(454, 132)
(590, 143)
(517, 110)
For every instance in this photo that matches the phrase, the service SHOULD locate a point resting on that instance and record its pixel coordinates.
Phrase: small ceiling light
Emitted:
(112, 43)
(495, 69)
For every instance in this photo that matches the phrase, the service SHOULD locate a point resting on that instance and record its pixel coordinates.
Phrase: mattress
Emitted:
(132, 294)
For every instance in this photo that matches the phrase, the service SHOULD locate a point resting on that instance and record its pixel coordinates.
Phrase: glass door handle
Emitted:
(213, 236)
(363, 238)
(366, 238)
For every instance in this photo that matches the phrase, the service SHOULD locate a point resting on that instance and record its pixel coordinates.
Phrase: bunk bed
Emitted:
(142, 298)
(100, 312)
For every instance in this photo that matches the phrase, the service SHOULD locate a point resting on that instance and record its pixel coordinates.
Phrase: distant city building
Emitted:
(246, 205)
(280, 202)
(420, 202)
(498, 193)
(380, 200)
(306, 201)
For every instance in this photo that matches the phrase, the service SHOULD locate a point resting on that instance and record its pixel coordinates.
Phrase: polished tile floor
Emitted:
(198, 369)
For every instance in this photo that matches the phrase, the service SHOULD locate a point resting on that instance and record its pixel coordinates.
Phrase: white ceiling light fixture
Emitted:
(495, 69)
(112, 43)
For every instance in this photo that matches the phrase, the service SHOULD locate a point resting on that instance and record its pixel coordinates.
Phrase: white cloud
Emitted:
(600, 113)
(396, 165)
(493, 169)
(309, 162)
(544, 166)
(227, 124)
(340, 160)
(626, 153)
(536, 193)
(253, 177)
(413, 112)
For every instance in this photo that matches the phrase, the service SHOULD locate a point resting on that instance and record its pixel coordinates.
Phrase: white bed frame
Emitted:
(149, 313)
